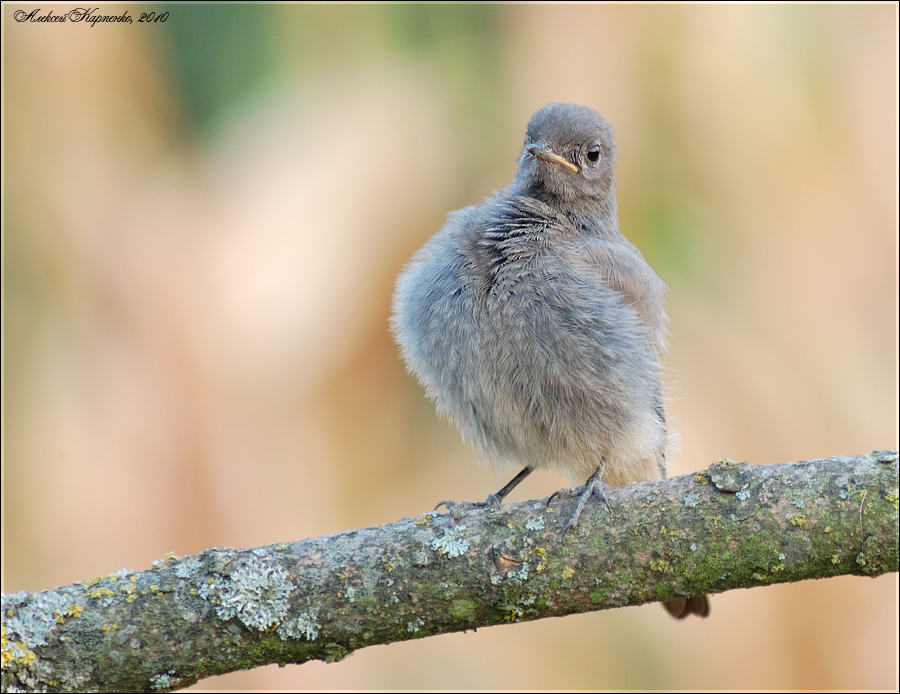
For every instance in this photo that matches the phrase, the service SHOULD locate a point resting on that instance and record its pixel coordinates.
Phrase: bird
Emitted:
(538, 328)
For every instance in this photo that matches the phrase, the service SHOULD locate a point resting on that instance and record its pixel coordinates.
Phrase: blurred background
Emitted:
(204, 219)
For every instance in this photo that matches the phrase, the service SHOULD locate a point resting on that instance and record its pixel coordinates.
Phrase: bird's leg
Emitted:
(593, 487)
(497, 499)
(493, 501)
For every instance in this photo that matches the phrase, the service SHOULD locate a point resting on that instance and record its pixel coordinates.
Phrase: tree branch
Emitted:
(731, 526)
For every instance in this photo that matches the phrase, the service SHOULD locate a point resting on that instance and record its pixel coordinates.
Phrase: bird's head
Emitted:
(569, 156)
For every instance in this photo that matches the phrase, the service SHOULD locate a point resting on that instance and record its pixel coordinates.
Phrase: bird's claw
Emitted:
(593, 488)
(454, 509)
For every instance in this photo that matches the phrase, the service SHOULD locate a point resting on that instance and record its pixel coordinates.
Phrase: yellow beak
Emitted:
(546, 154)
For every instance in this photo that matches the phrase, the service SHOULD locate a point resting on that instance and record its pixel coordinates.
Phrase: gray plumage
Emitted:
(538, 328)
(534, 324)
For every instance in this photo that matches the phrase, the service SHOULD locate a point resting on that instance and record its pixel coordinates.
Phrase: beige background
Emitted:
(196, 346)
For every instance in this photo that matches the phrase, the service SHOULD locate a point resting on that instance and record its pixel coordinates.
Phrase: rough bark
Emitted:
(731, 526)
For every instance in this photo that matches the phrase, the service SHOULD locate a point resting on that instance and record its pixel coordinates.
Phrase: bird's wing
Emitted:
(623, 268)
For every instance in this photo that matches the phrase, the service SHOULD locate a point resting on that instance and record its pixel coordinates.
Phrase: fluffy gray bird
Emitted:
(537, 327)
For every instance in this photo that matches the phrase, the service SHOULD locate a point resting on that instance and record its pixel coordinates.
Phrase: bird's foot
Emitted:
(594, 487)
(494, 501)
(454, 509)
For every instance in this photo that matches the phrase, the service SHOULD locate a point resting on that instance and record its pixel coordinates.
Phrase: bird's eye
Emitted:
(593, 154)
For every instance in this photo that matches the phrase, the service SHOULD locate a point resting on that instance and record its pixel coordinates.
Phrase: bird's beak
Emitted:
(544, 153)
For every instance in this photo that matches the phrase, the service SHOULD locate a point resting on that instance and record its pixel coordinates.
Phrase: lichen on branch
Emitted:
(730, 526)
